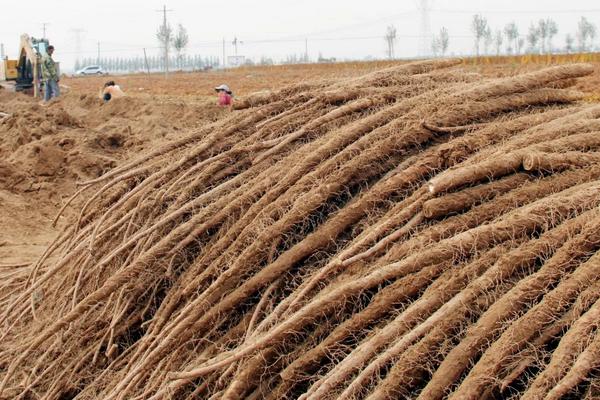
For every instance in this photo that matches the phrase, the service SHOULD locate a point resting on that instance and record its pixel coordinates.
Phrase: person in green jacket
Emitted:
(50, 75)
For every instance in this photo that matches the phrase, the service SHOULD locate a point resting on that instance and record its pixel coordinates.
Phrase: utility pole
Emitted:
(98, 57)
(224, 59)
(44, 24)
(235, 44)
(165, 11)
(146, 60)
(306, 50)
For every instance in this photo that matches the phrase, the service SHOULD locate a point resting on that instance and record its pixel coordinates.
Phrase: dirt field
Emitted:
(81, 138)
(246, 80)
(46, 149)
(354, 232)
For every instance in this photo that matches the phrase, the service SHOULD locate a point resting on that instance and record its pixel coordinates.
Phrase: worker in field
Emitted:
(111, 91)
(224, 95)
(50, 75)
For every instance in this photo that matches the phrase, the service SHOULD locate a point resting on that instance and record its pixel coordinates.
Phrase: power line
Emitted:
(105, 51)
(302, 38)
(215, 44)
(427, 8)
(340, 38)
(388, 18)
(463, 11)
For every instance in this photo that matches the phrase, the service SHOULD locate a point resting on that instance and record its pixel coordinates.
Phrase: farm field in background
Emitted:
(246, 80)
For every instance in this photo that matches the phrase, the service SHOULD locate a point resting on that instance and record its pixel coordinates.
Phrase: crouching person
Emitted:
(111, 91)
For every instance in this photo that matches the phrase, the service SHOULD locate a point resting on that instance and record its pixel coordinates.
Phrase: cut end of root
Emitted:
(431, 188)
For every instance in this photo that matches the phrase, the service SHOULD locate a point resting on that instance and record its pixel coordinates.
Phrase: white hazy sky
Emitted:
(351, 29)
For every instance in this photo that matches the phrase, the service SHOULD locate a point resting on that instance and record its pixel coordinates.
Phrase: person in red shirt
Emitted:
(224, 96)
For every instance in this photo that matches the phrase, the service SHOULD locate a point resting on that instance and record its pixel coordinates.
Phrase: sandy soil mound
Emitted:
(80, 137)
(46, 148)
(417, 232)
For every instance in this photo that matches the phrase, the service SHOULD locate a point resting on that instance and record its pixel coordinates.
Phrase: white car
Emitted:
(91, 70)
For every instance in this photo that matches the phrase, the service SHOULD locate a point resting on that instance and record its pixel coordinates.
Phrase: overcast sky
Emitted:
(351, 29)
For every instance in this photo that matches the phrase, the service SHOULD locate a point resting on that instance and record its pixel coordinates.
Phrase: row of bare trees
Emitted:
(440, 42)
(538, 37)
(169, 39)
(509, 39)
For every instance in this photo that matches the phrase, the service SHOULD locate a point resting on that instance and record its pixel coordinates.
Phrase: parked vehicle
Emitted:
(91, 70)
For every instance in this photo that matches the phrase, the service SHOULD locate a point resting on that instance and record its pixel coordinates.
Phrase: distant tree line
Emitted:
(537, 40)
(440, 42)
(181, 62)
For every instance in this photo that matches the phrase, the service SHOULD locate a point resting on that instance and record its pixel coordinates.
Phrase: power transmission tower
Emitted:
(165, 11)
(390, 39)
(224, 59)
(78, 33)
(424, 7)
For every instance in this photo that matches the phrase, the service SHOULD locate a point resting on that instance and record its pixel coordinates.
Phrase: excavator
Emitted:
(24, 74)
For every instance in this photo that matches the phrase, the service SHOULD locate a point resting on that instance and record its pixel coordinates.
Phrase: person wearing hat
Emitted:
(224, 95)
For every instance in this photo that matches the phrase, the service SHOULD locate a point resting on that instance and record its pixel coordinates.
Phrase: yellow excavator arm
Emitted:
(26, 50)
(27, 53)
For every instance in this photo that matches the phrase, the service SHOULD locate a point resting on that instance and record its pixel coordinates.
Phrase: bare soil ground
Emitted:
(46, 149)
